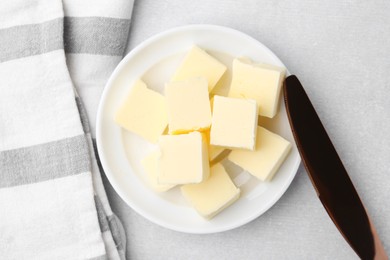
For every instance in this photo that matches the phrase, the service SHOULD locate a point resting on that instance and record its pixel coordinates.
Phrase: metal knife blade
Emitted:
(328, 175)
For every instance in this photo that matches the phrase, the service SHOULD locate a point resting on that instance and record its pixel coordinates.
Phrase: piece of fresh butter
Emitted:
(234, 123)
(271, 151)
(183, 159)
(188, 105)
(150, 165)
(214, 151)
(261, 82)
(198, 63)
(213, 195)
(144, 112)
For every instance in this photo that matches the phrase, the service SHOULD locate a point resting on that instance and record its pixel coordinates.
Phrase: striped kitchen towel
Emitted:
(54, 56)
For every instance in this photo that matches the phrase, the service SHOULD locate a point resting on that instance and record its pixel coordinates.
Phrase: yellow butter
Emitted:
(214, 151)
(260, 82)
(188, 105)
(144, 112)
(150, 165)
(198, 63)
(183, 159)
(271, 151)
(213, 195)
(234, 123)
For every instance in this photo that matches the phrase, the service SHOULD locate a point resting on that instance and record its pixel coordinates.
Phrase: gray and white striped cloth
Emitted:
(54, 56)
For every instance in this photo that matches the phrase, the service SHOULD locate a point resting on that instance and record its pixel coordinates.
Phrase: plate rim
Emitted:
(100, 148)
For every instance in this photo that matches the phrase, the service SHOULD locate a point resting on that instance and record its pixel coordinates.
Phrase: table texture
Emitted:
(340, 50)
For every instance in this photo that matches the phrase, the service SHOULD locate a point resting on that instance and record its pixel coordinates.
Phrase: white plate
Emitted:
(121, 152)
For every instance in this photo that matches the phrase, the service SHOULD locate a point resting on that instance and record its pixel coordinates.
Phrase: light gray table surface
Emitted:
(340, 51)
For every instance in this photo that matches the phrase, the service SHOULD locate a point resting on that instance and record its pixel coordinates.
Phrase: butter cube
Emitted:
(213, 195)
(144, 112)
(234, 123)
(260, 82)
(199, 63)
(183, 159)
(150, 165)
(271, 151)
(188, 105)
(214, 151)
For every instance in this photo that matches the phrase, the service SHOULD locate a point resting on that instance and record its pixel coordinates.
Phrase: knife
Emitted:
(328, 175)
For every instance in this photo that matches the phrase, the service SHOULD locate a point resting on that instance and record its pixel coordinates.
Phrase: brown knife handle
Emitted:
(380, 253)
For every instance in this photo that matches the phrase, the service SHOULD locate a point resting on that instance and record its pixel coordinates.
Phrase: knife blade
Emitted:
(328, 174)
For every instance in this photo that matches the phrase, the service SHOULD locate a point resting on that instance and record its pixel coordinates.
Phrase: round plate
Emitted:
(121, 152)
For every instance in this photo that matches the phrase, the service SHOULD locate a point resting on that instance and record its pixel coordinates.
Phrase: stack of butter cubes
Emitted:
(202, 126)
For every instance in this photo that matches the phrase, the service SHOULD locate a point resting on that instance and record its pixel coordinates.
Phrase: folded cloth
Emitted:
(53, 204)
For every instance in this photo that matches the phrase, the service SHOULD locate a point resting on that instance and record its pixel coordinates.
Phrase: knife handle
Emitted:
(380, 253)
